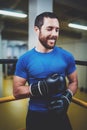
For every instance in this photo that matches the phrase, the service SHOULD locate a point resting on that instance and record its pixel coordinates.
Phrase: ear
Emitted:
(36, 29)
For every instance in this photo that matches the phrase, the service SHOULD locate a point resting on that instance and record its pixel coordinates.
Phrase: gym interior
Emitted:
(15, 39)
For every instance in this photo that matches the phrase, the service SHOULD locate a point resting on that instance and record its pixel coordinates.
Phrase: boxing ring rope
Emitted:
(7, 61)
(12, 98)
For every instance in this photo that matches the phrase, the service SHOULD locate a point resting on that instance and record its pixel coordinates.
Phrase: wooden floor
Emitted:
(7, 86)
(78, 114)
(13, 114)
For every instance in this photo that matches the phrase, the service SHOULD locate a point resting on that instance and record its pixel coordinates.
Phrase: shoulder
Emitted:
(26, 55)
(23, 59)
(64, 52)
(69, 60)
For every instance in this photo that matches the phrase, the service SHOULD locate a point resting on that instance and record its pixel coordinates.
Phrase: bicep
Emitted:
(73, 77)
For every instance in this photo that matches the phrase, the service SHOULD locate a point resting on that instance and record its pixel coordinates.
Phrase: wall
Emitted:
(77, 47)
(13, 48)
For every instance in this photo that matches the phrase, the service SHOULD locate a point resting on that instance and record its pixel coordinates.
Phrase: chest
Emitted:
(41, 67)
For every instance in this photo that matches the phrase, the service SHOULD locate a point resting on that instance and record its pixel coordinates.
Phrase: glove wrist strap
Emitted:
(70, 92)
(30, 90)
(67, 99)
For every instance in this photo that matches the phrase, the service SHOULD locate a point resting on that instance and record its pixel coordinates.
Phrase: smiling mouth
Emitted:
(52, 40)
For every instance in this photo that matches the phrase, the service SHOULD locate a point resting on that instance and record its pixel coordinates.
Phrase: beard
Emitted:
(45, 41)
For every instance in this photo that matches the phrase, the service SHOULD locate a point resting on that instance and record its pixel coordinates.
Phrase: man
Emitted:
(45, 68)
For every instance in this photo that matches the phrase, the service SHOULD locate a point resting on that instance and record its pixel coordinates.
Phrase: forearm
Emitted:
(21, 92)
(20, 88)
(73, 87)
(73, 82)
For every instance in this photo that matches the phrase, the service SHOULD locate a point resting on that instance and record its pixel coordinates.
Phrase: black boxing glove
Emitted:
(60, 104)
(51, 85)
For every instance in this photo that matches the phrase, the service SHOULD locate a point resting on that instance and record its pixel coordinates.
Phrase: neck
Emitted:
(41, 48)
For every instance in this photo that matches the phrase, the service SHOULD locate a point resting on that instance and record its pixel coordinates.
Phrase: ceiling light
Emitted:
(13, 14)
(78, 26)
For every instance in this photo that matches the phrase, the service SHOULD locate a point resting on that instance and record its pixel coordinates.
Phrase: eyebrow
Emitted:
(53, 27)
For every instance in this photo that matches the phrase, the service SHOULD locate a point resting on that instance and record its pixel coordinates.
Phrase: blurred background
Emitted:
(15, 35)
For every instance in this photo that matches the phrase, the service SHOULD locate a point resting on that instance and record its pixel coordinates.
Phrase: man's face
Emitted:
(49, 32)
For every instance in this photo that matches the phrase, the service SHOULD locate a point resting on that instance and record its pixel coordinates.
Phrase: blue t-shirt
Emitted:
(34, 66)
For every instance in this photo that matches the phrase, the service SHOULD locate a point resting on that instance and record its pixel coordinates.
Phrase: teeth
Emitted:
(52, 40)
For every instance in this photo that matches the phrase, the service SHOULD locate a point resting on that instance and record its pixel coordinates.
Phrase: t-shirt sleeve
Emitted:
(71, 65)
(21, 69)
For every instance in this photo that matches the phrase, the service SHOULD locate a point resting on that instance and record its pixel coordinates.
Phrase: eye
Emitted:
(49, 29)
(57, 30)
(52, 28)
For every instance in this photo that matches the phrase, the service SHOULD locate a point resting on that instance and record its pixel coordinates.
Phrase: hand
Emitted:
(60, 105)
(47, 87)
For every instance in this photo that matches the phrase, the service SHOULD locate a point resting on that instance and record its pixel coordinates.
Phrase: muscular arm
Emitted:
(73, 82)
(46, 87)
(20, 90)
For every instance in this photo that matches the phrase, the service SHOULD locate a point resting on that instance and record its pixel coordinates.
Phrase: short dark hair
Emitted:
(40, 18)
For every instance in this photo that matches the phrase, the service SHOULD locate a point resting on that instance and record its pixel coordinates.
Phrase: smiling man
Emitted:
(46, 68)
